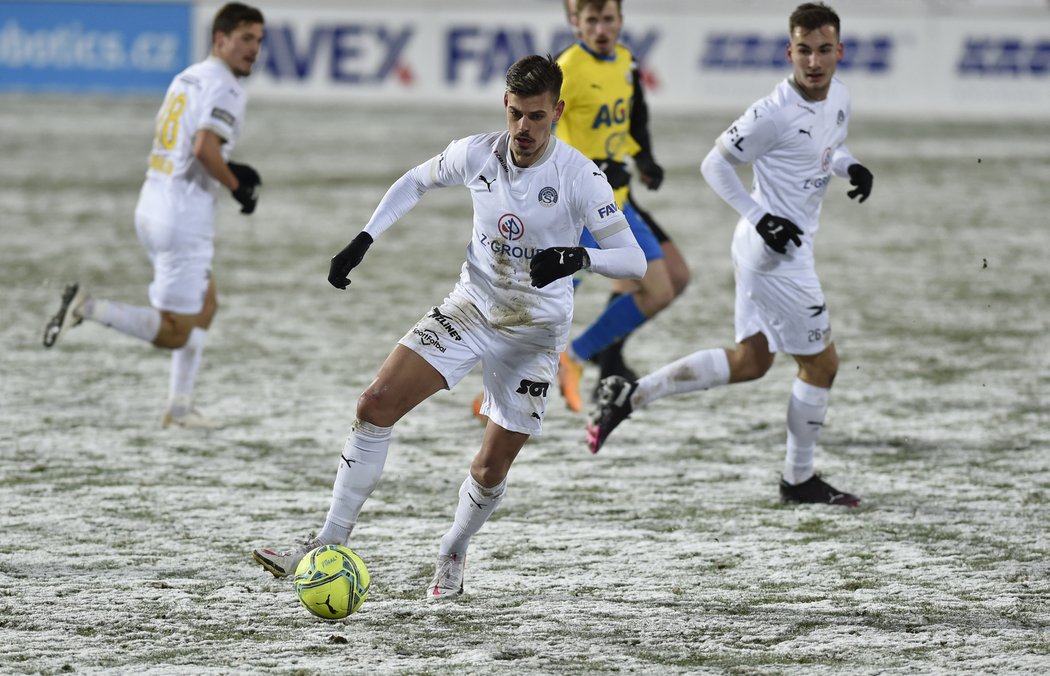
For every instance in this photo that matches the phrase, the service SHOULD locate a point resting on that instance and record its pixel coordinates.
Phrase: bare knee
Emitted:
(173, 332)
(743, 371)
(749, 361)
(487, 473)
(821, 369)
(373, 407)
(207, 313)
(655, 294)
(676, 269)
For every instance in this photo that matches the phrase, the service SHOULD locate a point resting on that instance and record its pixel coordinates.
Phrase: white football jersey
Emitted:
(206, 95)
(518, 212)
(794, 146)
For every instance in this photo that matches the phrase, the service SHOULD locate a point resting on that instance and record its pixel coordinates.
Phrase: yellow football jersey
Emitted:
(598, 94)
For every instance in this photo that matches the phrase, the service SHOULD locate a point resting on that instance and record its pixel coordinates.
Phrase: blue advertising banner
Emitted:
(93, 46)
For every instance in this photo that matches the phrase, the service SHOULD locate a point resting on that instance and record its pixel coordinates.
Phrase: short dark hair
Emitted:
(810, 16)
(534, 75)
(233, 14)
(597, 4)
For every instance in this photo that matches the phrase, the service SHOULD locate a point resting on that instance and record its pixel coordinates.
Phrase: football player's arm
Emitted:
(652, 174)
(640, 113)
(439, 171)
(860, 177)
(619, 257)
(399, 199)
(207, 148)
(841, 160)
(719, 172)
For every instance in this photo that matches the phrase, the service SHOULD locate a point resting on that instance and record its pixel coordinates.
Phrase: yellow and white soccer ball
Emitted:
(332, 582)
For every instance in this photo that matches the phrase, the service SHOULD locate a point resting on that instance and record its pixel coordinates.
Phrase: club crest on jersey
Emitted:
(511, 227)
(548, 197)
(842, 117)
(607, 210)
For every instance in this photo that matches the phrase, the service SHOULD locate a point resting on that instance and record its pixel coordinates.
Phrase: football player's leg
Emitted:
(132, 320)
(485, 485)
(807, 409)
(519, 385)
(629, 311)
(404, 380)
(186, 361)
(479, 496)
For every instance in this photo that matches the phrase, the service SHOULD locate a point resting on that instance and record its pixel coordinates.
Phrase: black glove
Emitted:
(652, 173)
(615, 172)
(860, 177)
(248, 182)
(778, 232)
(557, 262)
(348, 259)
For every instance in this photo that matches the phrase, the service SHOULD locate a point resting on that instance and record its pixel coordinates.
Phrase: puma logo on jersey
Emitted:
(488, 183)
(806, 132)
(817, 309)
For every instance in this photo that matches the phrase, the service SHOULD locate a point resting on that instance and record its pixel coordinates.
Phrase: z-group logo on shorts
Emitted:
(511, 227)
(428, 337)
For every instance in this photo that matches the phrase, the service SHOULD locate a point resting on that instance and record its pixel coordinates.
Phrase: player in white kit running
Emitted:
(511, 309)
(795, 141)
(196, 130)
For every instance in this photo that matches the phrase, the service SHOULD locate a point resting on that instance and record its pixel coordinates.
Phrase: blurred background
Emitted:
(955, 59)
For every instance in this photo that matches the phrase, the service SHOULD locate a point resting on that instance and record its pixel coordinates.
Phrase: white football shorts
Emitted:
(789, 310)
(517, 378)
(178, 236)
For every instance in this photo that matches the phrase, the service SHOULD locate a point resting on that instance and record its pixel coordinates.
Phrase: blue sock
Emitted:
(619, 318)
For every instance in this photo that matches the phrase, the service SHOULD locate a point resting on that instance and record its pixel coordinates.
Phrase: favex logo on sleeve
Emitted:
(607, 210)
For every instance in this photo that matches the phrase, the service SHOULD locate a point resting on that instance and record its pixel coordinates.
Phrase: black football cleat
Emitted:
(816, 491)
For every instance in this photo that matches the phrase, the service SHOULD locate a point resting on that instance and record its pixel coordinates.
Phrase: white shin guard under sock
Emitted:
(699, 371)
(131, 320)
(185, 363)
(806, 413)
(360, 467)
(476, 505)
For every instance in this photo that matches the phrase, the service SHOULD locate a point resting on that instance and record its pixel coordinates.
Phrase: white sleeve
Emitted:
(221, 111)
(841, 160)
(440, 171)
(399, 199)
(722, 177)
(620, 256)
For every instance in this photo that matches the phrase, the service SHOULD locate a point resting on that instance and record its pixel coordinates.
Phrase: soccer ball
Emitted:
(332, 582)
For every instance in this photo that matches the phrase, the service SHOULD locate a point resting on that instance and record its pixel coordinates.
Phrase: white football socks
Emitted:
(185, 363)
(699, 371)
(360, 467)
(132, 320)
(806, 412)
(476, 505)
